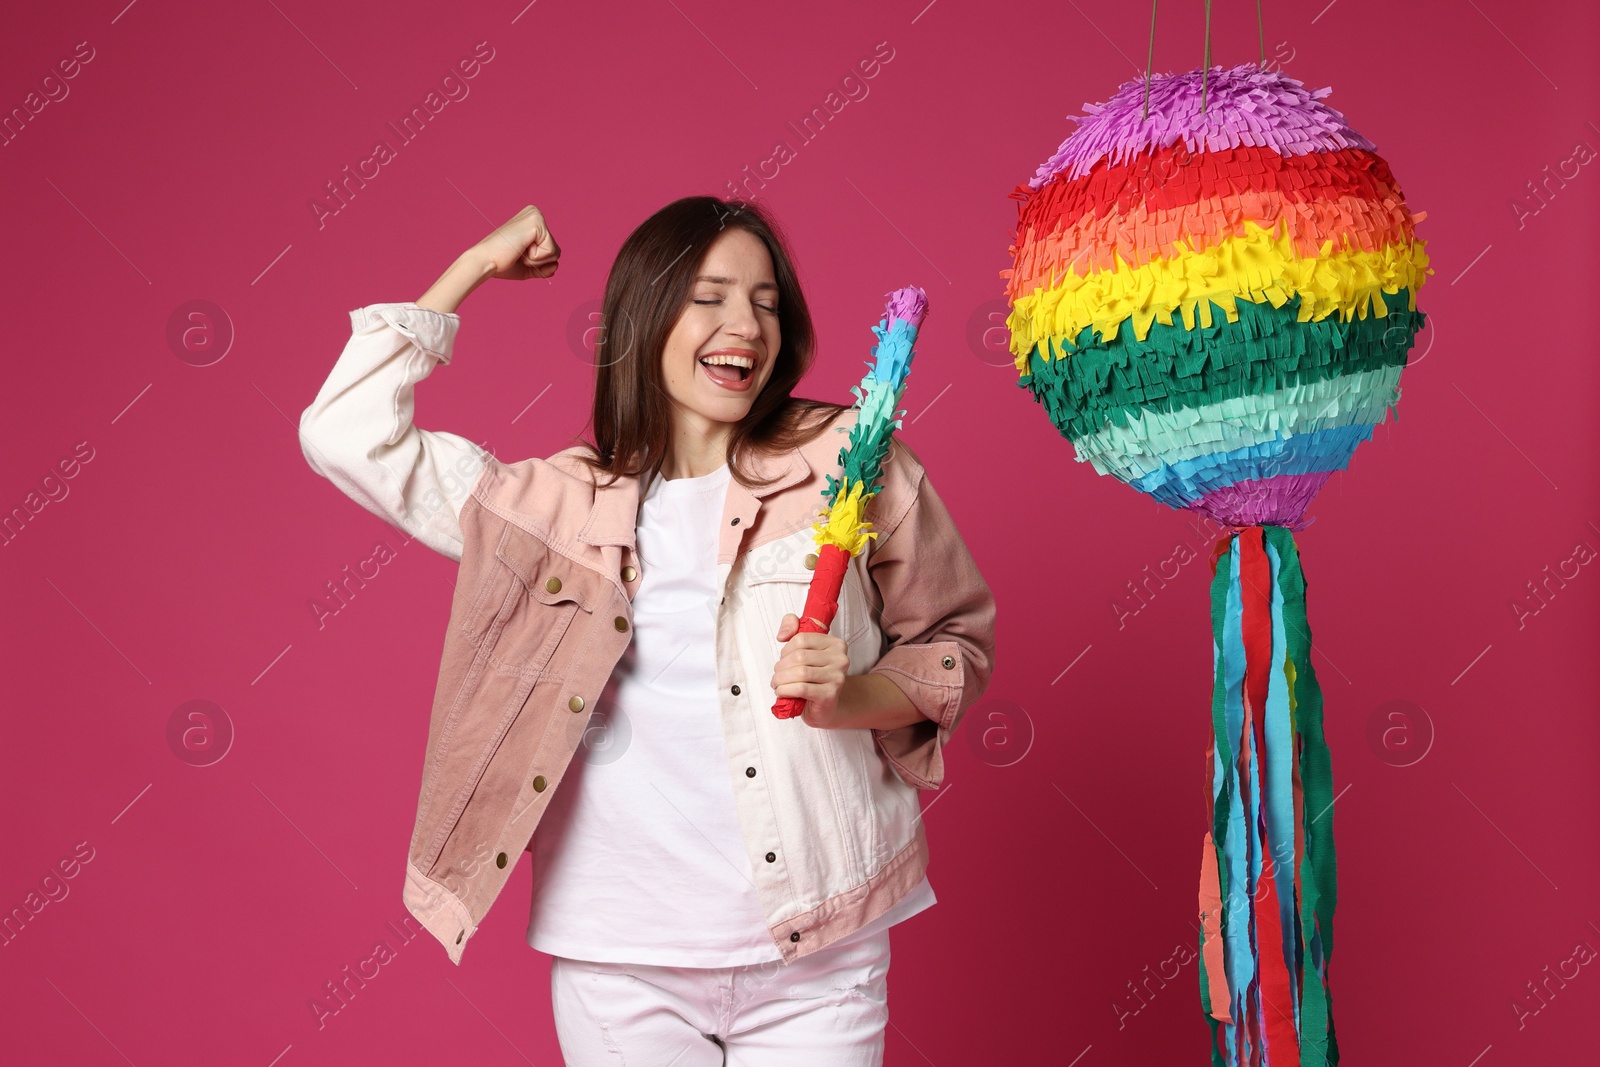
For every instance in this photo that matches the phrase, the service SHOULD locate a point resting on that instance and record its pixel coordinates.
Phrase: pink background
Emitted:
(183, 560)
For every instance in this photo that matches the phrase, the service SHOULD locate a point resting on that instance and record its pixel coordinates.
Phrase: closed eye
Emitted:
(764, 307)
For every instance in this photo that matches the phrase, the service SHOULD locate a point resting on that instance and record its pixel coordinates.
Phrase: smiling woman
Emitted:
(721, 350)
(700, 288)
(701, 835)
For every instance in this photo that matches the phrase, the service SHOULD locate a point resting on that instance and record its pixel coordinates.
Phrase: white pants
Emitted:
(826, 1009)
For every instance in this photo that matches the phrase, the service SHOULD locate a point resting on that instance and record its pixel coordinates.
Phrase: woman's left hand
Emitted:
(812, 668)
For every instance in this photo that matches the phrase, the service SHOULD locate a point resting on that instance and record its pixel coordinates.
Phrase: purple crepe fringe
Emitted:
(1245, 105)
(908, 304)
(1262, 500)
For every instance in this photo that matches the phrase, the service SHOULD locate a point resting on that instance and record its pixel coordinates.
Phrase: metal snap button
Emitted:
(749, 772)
(629, 573)
(811, 561)
(538, 783)
(772, 857)
(795, 936)
(735, 690)
(553, 585)
(949, 662)
(735, 521)
(621, 624)
(500, 860)
(576, 703)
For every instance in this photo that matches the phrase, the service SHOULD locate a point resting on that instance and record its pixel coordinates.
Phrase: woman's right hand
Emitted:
(520, 248)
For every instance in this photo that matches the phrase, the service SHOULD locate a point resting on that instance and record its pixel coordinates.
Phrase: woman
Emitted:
(712, 884)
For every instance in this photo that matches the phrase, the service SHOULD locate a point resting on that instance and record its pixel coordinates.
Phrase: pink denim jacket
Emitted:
(542, 612)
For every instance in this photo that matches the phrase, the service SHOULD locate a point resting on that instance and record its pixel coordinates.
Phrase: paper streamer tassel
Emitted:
(1267, 882)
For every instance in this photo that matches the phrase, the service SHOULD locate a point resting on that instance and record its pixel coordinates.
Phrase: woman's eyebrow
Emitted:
(717, 279)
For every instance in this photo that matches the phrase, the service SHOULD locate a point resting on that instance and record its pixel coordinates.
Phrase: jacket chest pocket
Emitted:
(775, 591)
(526, 601)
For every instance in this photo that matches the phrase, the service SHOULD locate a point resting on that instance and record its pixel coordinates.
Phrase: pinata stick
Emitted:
(843, 532)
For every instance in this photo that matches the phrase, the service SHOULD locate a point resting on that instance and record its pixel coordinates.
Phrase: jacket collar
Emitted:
(614, 515)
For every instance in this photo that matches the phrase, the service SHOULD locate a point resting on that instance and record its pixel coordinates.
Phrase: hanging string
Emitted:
(1205, 72)
(1262, 34)
(1150, 61)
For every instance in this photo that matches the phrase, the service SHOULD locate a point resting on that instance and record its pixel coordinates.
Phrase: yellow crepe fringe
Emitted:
(842, 523)
(1258, 267)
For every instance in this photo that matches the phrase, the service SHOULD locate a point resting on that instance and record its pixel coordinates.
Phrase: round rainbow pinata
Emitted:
(1215, 307)
(1213, 295)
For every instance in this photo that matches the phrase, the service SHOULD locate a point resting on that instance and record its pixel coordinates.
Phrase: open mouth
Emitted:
(729, 373)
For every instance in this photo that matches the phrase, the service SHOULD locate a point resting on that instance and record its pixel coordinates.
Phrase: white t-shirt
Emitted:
(639, 857)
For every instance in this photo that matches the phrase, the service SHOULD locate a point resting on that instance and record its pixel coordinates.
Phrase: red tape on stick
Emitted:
(822, 602)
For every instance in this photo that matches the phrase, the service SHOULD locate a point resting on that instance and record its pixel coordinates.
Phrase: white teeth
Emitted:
(736, 361)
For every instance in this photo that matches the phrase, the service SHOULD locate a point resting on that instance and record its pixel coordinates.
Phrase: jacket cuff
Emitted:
(434, 332)
(933, 677)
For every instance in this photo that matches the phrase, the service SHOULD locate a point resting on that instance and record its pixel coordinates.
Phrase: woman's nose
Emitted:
(743, 322)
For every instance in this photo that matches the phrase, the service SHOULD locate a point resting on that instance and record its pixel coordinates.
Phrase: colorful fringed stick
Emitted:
(1213, 298)
(842, 533)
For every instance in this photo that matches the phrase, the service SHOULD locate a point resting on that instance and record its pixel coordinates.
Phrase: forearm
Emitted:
(872, 700)
(456, 283)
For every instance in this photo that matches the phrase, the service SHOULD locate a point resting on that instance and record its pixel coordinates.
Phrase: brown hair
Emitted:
(649, 287)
